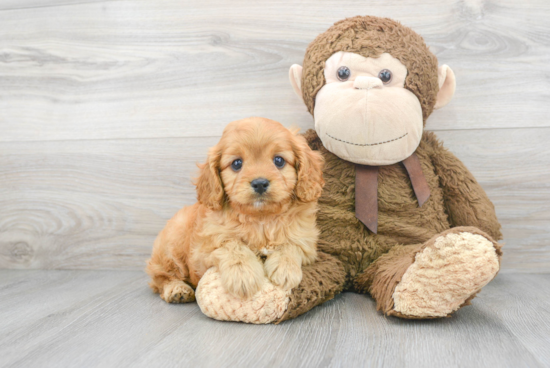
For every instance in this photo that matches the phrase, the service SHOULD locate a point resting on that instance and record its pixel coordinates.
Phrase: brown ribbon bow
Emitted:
(366, 190)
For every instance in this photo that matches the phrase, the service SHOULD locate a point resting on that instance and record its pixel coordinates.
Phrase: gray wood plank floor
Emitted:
(111, 319)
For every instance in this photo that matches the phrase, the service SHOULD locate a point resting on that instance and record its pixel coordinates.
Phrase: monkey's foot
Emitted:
(177, 291)
(266, 306)
(446, 274)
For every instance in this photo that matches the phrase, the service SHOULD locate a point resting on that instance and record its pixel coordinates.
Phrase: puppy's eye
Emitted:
(385, 76)
(343, 73)
(279, 162)
(237, 164)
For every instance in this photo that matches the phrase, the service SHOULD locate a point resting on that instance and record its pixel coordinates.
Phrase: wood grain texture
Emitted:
(106, 106)
(111, 319)
(27, 4)
(92, 204)
(144, 69)
(98, 204)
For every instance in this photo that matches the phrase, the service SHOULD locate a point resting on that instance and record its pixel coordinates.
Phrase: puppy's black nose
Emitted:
(260, 185)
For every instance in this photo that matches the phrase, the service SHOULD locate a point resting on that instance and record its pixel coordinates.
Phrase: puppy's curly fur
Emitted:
(233, 227)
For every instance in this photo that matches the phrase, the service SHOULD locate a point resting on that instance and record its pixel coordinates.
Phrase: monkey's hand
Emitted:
(322, 280)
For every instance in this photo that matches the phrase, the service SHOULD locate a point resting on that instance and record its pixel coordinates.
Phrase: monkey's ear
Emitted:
(295, 75)
(447, 86)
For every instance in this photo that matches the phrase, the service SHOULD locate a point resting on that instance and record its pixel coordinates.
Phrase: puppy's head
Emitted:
(259, 167)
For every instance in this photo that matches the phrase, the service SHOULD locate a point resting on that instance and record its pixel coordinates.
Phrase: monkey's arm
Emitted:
(466, 202)
(321, 281)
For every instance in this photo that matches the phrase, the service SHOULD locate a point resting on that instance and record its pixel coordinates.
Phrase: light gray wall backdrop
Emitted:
(106, 106)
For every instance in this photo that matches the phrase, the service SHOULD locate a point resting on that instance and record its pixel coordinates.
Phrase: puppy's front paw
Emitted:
(283, 272)
(243, 279)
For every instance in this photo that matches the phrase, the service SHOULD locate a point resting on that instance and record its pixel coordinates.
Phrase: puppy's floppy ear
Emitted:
(209, 184)
(309, 166)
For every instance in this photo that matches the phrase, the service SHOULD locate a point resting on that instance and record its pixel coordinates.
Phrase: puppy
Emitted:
(255, 216)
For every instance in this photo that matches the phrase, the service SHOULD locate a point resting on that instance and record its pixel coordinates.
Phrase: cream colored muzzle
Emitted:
(365, 122)
(367, 83)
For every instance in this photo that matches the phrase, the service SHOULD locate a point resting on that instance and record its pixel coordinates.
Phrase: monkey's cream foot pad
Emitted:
(446, 274)
(266, 306)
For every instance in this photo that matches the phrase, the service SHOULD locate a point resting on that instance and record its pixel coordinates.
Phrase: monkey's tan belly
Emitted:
(400, 220)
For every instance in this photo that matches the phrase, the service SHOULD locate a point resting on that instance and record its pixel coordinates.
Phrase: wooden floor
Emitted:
(112, 319)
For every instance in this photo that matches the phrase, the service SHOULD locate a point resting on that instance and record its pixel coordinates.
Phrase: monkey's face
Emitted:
(363, 113)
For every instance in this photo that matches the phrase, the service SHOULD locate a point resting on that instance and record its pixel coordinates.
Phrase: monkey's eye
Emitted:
(385, 76)
(279, 162)
(343, 73)
(237, 164)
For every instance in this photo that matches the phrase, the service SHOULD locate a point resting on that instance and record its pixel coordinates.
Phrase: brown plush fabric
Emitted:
(400, 220)
(377, 262)
(402, 223)
(382, 277)
(371, 36)
(321, 282)
(460, 188)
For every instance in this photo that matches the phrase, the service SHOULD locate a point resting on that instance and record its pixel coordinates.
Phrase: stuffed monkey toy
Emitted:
(401, 218)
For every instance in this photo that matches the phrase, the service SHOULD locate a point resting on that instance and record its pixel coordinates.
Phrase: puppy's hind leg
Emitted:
(167, 279)
(177, 291)
(169, 284)
(168, 265)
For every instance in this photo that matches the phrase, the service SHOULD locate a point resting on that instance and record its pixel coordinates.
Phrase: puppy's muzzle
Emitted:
(260, 185)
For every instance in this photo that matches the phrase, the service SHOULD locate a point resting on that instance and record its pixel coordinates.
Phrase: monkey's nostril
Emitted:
(260, 185)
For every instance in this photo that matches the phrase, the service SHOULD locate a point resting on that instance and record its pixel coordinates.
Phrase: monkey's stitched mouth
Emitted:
(367, 144)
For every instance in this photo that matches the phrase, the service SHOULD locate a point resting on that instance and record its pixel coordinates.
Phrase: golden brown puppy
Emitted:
(257, 198)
